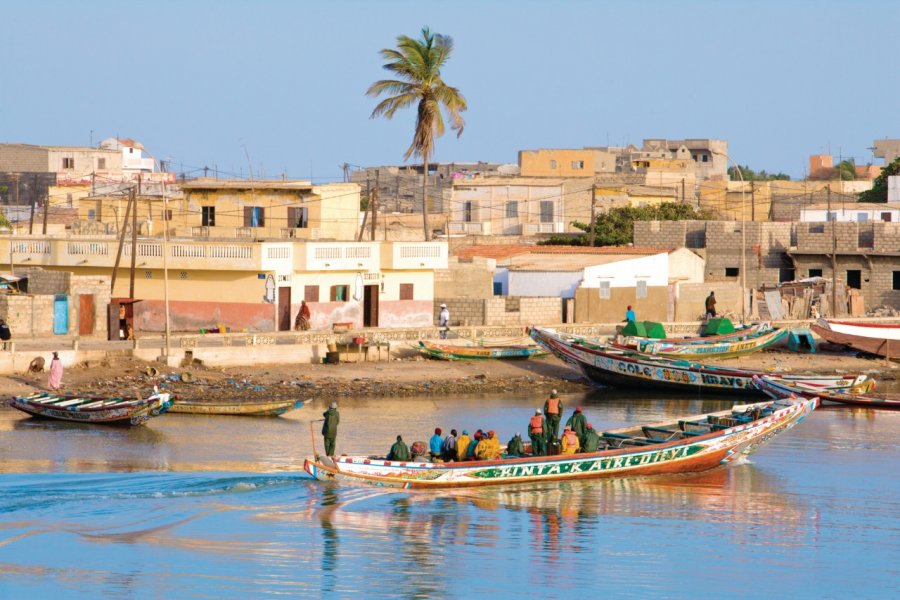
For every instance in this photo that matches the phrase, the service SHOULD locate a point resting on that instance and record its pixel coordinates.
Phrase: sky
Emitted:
(277, 88)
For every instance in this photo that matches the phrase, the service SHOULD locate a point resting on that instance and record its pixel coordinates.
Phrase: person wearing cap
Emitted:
(444, 321)
(578, 423)
(629, 315)
(515, 447)
(462, 445)
(330, 427)
(399, 451)
(488, 448)
(470, 451)
(448, 446)
(553, 412)
(537, 431)
(570, 443)
(435, 443)
(591, 439)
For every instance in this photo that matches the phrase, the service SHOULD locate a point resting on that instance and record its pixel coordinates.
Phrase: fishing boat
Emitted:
(93, 409)
(242, 408)
(696, 348)
(687, 445)
(453, 352)
(738, 334)
(605, 365)
(882, 339)
(778, 389)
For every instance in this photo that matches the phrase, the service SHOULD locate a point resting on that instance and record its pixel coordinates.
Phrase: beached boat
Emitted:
(452, 352)
(93, 409)
(875, 338)
(740, 333)
(265, 408)
(691, 444)
(696, 348)
(605, 365)
(776, 388)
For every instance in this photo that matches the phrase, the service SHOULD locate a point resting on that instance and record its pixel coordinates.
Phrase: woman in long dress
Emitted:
(56, 373)
(302, 321)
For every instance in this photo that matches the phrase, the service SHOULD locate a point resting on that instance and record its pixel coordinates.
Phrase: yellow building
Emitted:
(560, 162)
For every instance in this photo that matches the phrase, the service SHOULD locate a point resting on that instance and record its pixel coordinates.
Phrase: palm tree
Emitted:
(417, 64)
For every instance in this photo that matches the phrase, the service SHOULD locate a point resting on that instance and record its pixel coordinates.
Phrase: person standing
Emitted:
(553, 412)
(578, 423)
(303, 317)
(444, 321)
(56, 373)
(5, 334)
(399, 451)
(330, 427)
(711, 305)
(629, 315)
(537, 431)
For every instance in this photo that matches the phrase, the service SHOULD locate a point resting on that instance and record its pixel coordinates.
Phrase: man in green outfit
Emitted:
(329, 427)
(515, 447)
(553, 412)
(578, 422)
(537, 431)
(399, 451)
(591, 439)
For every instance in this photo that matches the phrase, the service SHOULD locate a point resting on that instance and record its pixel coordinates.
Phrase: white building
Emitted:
(860, 212)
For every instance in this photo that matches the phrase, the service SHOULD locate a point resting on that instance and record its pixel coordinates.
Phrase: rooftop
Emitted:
(576, 262)
(504, 251)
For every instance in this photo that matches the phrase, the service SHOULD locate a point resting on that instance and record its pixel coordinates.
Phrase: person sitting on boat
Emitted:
(470, 452)
(462, 445)
(629, 314)
(435, 443)
(399, 451)
(488, 448)
(537, 428)
(448, 447)
(591, 439)
(570, 443)
(553, 412)
(515, 447)
(578, 422)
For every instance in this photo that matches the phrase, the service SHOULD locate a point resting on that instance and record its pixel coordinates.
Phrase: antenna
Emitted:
(249, 164)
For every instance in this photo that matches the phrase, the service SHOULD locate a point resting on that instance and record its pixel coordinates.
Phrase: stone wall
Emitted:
(28, 315)
(96, 286)
(501, 310)
(691, 302)
(41, 282)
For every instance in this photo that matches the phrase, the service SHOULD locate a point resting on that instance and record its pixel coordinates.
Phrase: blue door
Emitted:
(60, 314)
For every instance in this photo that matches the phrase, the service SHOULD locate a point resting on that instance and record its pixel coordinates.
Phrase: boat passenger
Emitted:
(417, 450)
(462, 445)
(515, 447)
(448, 447)
(629, 315)
(537, 427)
(553, 412)
(591, 439)
(435, 443)
(488, 448)
(578, 422)
(569, 441)
(399, 451)
(470, 452)
(330, 427)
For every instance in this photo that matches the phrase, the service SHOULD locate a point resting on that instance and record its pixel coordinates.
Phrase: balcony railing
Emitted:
(535, 228)
(243, 232)
(470, 228)
(200, 231)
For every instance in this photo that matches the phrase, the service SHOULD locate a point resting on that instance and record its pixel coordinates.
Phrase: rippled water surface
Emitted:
(193, 506)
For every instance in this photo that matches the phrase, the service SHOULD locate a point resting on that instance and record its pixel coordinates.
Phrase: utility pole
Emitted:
(682, 190)
(33, 200)
(374, 202)
(833, 256)
(112, 285)
(362, 226)
(753, 201)
(592, 230)
(133, 243)
(46, 211)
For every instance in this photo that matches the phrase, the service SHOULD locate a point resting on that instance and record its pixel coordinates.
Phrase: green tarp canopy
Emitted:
(634, 328)
(718, 326)
(647, 329)
(655, 330)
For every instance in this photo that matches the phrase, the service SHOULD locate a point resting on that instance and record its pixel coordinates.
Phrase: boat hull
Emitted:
(889, 348)
(125, 413)
(241, 409)
(781, 389)
(688, 455)
(448, 352)
(698, 350)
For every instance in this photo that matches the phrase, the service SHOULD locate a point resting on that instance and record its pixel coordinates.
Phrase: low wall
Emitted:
(150, 315)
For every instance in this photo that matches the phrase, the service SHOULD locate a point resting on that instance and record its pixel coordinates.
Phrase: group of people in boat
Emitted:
(543, 428)
(482, 445)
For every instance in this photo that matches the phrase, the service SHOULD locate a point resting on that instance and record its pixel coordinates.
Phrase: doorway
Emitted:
(60, 314)
(85, 314)
(284, 308)
(370, 306)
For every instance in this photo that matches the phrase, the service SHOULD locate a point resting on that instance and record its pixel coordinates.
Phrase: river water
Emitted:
(198, 507)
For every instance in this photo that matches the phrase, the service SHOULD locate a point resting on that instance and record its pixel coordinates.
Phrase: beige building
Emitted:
(562, 162)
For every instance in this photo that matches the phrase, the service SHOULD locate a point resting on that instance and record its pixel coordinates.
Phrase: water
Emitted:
(201, 507)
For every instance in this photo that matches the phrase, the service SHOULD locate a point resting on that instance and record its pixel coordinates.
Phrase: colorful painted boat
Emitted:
(451, 352)
(692, 444)
(728, 348)
(882, 339)
(779, 389)
(605, 365)
(93, 409)
(738, 334)
(268, 408)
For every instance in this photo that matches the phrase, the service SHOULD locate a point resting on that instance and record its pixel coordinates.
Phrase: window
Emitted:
(254, 216)
(896, 285)
(815, 272)
(467, 212)
(208, 216)
(604, 290)
(704, 157)
(311, 293)
(101, 163)
(339, 293)
(785, 274)
(92, 214)
(512, 209)
(886, 217)
(732, 271)
(406, 291)
(832, 216)
(168, 215)
(640, 290)
(552, 164)
(862, 217)
(297, 217)
(546, 211)
(68, 163)
(498, 288)
(577, 164)
(854, 279)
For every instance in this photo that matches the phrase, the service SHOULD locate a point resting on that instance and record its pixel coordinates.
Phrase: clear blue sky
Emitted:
(199, 81)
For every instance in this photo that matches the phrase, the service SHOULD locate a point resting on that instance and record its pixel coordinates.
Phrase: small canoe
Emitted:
(269, 408)
(687, 445)
(693, 349)
(93, 409)
(882, 339)
(451, 352)
(776, 388)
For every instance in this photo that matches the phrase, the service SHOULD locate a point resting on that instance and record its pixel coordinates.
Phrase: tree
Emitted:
(615, 227)
(749, 174)
(417, 63)
(846, 170)
(879, 191)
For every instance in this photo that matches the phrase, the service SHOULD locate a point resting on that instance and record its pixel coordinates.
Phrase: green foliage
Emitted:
(846, 170)
(879, 191)
(615, 227)
(749, 174)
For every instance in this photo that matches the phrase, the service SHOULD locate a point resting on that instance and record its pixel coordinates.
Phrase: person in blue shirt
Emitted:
(434, 444)
(629, 314)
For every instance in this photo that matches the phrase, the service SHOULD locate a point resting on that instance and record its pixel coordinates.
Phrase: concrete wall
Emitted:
(466, 278)
(559, 284)
(99, 288)
(149, 315)
(30, 316)
(41, 282)
(591, 308)
(505, 310)
(690, 304)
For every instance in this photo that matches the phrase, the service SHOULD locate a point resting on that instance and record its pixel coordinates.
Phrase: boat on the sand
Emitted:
(696, 348)
(605, 365)
(93, 409)
(882, 339)
(459, 352)
(686, 445)
(244, 408)
(775, 388)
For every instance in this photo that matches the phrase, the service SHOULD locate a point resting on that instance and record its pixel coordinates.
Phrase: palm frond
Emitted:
(390, 86)
(389, 106)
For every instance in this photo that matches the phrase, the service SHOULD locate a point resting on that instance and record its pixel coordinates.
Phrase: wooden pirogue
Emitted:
(93, 409)
(748, 343)
(882, 339)
(265, 408)
(686, 445)
(453, 352)
(776, 388)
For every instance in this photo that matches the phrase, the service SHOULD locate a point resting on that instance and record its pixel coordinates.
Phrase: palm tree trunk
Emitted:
(425, 196)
